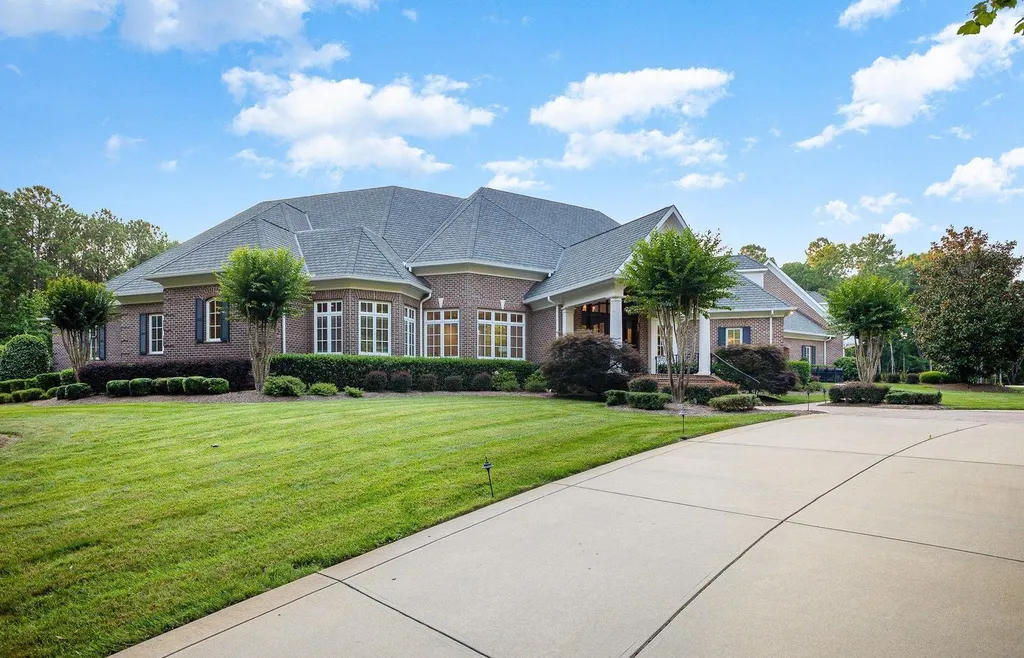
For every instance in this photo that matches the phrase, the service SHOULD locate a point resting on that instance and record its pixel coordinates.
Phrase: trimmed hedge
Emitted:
(643, 385)
(283, 386)
(118, 388)
(505, 380)
(848, 364)
(175, 385)
(67, 376)
(913, 378)
(453, 383)
(914, 397)
(802, 370)
(351, 369)
(323, 389)
(932, 377)
(738, 402)
(482, 381)
(238, 372)
(6, 398)
(892, 377)
(376, 381)
(25, 356)
(12, 385)
(28, 394)
(648, 401)
(51, 392)
(73, 391)
(48, 380)
(217, 385)
(160, 386)
(703, 393)
(858, 393)
(428, 382)
(140, 386)
(196, 385)
(401, 381)
(615, 398)
(536, 383)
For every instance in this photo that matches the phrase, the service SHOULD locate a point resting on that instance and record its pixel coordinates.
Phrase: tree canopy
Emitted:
(757, 252)
(77, 307)
(984, 14)
(870, 308)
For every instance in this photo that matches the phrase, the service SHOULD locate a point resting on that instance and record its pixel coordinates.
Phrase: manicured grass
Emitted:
(1008, 400)
(800, 397)
(121, 521)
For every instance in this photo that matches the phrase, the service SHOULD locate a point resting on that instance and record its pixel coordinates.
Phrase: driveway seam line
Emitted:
(907, 541)
(674, 502)
(410, 617)
(837, 452)
(959, 461)
(736, 559)
(265, 612)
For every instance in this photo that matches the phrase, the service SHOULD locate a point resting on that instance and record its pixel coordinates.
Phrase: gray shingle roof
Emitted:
(745, 262)
(817, 296)
(748, 296)
(598, 257)
(799, 323)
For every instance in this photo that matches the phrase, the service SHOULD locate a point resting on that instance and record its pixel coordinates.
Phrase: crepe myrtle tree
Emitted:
(259, 287)
(675, 277)
(871, 308)
(77, 307)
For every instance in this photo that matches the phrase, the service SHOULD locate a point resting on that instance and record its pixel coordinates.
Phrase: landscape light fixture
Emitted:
(682, 417)
(808, 399)
(487, 467)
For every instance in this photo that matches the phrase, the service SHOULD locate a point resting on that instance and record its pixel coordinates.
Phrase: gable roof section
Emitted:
(815, 305)
(743, 262)
(355, 253)
(597, 258)
(817, 296)
(798, 323)
(559, 222)
(748, 296)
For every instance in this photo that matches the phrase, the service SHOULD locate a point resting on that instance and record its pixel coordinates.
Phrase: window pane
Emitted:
(485, 348)
(451, 339)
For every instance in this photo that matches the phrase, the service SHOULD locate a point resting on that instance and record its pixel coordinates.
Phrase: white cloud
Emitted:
(775, 132)
(839, 211)
(264, 164)
(900, 223)
(13, 69)
(346, 124)
(116, 143)
(703, 181)
(515, 175)
(27, 17)
(879, 204)
(961, 133)
(324, 57)
(603, 100)
(982, 177)
(895, 91)
(583, 149)
(861, 12)
(749, 143)
(993, 99)
(411, 14)
(169, 166)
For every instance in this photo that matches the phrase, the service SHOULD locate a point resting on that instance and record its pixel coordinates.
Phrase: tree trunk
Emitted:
(868, 354)
(75, 345)
(668, 336)
(261, 336)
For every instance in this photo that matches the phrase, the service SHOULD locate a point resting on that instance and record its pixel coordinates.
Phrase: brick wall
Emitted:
(122, 337)
(540, 331)
(300, 328)
(775, 286)
(759, 330)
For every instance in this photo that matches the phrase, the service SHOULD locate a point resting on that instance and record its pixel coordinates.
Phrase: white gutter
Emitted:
(284, 334)
(423, 325)
(771, 328)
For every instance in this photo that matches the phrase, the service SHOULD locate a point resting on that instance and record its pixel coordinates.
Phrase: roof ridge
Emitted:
(537, 198)
(362, 189)
(616, 228)
(387, 209)
(374, 238)
(203, 244)
(521, 220)
(449, 220)
(260, 214)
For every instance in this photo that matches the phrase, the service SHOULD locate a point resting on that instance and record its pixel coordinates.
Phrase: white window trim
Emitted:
(729, 330)
(508, 326)
(94, 345)
(375, 315)
(210, 304)
(441, 323)
(329, 314)
(409, 320)
(149, 332)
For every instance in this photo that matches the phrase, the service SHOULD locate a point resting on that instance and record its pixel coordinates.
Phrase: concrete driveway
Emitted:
(824, 535)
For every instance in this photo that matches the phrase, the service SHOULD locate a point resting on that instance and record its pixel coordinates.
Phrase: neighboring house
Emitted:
(409, 273)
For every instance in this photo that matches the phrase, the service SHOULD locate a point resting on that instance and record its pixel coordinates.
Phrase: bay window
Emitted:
(501, 335)
(442, 333)
(375, 328)
(328, 317)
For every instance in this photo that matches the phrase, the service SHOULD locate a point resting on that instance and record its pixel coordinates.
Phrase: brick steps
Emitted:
(694, 379)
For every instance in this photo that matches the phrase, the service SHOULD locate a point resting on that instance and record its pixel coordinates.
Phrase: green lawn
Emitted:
(1010, 399)
(121, 521)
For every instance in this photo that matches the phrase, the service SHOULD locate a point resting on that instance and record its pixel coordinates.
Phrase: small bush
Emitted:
(6, 398)
(323, 389)
(353, 392)
(238, 371)
(12, 385)
(667, 390)
(453, 383)
(280, 386)
(76, 391)
(755, 368)
(482, 381)
(48, 380)
(802, 370)
(217, 385)
(195, 385)
(160, 386)
(67, 376)
(702, 393)
(140, 386)
(643, 385)
(505, 380)
(536, 383)
(51, 393)
(849, 367)
(118, 388)
(857, 393)
(376, 380)
(913, 378)
(175, 385)
(648, 401)
(615, 398)
(914, 397)
(588, 364)
(29, 394)
(932, 377)
(428, 382)
(739, 402)
(26, 356)
(5, 386)
(401, 381)
(892, 377)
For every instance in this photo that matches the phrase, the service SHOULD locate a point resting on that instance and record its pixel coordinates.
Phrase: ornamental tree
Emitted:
(259, 287)
(676, 278)
(77, 307)
(872, 309)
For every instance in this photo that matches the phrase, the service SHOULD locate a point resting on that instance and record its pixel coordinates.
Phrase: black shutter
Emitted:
(143, 333)
(814, 354)
(200, 334)
(101, 342)
(225, 323)
(746, 335)
(721, 336)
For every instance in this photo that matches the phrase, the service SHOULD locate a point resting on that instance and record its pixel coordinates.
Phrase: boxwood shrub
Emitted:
(892, 377)
(453, 383)
(160, 386)
(12, 385)
(376, 380)
(238, 372)
(67, 376)
(648, 401)
(505, 380)
(401, 381)
(932, 377)
(913, 378)
(643, 385)
(280, 386)
(196, 385)
(217, 385)
(26, 356)
(536, 383)
(6, 398)
(857, 393)
(175, 385)
(702, 393)
(323, 389)
(28, 394)
(351, 369)
(914, 397)
(615, 398)
(140, 386)
(48, 380)
(738, 402)
(51, 393)
(482, 381)
(76, 391)
(118, 388)
(353, 392)
(802, 370)
(428, 382)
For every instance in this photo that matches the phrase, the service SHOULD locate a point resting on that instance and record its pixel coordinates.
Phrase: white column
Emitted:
(704, 345)
(615, 319)
(568, 319)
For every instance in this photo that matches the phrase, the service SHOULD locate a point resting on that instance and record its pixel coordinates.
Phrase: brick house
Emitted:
(410, 273)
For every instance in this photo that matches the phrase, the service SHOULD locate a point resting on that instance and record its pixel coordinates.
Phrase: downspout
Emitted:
(771, 327)
(423, 325)
(558, 311)
(284, 334)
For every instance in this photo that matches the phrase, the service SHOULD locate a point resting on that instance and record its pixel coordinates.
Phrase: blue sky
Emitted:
(773, 127)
